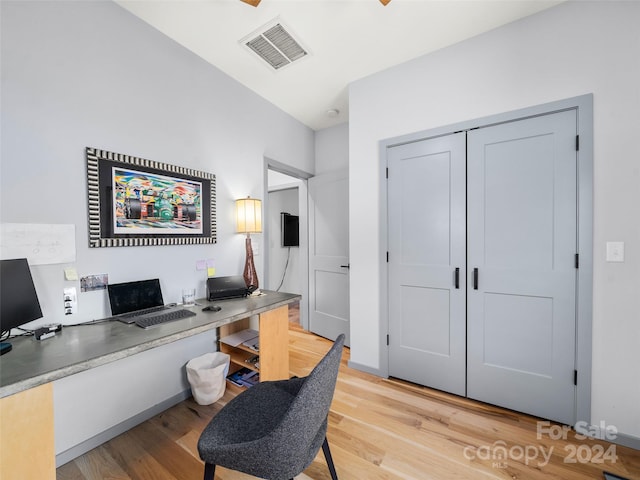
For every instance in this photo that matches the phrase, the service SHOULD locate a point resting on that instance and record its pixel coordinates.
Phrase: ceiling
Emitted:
(344, 39)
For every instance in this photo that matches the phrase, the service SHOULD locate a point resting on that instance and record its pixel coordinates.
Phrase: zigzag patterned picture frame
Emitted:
(133, 201)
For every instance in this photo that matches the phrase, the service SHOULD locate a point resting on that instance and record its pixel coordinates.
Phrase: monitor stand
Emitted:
(5, 347)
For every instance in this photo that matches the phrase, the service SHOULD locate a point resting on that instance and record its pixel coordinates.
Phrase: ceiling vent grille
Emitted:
(275, 45)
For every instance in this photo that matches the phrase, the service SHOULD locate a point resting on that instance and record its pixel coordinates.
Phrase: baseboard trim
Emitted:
(366, 369)
(626, 440)
(598, 432)
(93, 442)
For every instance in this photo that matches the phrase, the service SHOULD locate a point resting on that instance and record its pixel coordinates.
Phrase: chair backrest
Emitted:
(308, 413)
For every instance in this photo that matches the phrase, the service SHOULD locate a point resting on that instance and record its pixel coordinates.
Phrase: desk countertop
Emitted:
(31, 362)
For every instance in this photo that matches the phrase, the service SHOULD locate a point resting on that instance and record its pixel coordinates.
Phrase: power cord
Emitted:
(6, 335)
(285, 269)
(28, 333)
(90, 322)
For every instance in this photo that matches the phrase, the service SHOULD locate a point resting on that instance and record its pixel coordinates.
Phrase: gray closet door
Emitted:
(522, 241)
(426, 218)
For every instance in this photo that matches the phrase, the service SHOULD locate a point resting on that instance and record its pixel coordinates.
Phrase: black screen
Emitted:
(290, 230)
(18, 299)
(130, 296)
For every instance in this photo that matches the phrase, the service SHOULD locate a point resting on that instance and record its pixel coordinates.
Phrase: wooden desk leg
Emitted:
(274, 344)
(26, 435)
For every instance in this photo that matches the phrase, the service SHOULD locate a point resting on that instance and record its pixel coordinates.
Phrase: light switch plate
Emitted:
(615, 251)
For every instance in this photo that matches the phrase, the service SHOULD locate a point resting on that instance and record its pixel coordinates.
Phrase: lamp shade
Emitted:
(248, 215)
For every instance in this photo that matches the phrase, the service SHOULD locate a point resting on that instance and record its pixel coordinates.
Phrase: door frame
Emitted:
(583, 105)
(270, 164)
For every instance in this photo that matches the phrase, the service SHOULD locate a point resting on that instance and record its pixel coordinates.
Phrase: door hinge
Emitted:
(577, 143)
(387, 173)
(577, 260)
(575, 377)
(387, 256)
(387, 340)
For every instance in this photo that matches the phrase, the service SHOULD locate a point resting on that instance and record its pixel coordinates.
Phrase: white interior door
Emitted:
(426, 218)
(329, 255)
(521, 323)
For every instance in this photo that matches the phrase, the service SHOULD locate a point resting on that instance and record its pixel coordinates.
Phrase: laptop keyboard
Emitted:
(154, 320)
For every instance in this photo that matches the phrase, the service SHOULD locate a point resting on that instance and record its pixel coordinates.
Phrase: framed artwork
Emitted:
(136, 202)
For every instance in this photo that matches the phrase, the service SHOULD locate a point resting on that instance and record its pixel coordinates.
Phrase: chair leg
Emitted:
(209, 470)
(329, 459)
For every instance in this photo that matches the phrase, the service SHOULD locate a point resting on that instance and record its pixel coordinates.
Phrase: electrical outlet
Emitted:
(615, 251)
(70, 301)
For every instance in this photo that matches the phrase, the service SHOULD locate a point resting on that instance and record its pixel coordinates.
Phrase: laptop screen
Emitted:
(131, 296)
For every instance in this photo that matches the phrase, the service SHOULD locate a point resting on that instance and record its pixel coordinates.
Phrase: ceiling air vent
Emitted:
(275, 45)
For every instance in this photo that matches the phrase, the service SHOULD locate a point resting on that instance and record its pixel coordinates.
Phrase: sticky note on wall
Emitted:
(70, 274)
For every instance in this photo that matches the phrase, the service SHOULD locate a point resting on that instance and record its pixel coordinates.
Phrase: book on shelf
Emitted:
(244, 377)
(247, 337)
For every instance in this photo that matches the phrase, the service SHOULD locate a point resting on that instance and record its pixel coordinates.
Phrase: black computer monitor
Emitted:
(18, 299)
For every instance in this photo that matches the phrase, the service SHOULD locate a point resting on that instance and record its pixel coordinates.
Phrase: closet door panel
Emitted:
(426, 209)
(522, 244)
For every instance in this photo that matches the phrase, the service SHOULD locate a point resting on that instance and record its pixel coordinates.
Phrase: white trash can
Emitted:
(207, 375)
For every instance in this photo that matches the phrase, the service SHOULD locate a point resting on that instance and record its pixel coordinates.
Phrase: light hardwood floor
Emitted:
(378, 429)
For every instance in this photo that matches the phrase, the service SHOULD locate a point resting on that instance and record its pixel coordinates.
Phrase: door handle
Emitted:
(345, 266)
(475, 278)
(456, 281)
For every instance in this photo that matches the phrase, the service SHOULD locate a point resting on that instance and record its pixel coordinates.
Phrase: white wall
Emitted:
(77, 74)
(569, 50)
(332, 149)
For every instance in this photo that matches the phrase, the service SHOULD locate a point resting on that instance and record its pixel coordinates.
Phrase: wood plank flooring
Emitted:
(378, 429)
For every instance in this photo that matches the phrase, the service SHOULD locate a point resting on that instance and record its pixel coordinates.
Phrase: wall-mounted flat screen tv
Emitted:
(290, 230)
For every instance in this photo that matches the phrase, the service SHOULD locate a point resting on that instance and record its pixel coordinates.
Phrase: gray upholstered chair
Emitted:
(274, 430)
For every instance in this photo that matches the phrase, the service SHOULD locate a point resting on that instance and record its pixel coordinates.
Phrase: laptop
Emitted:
(131, 301)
